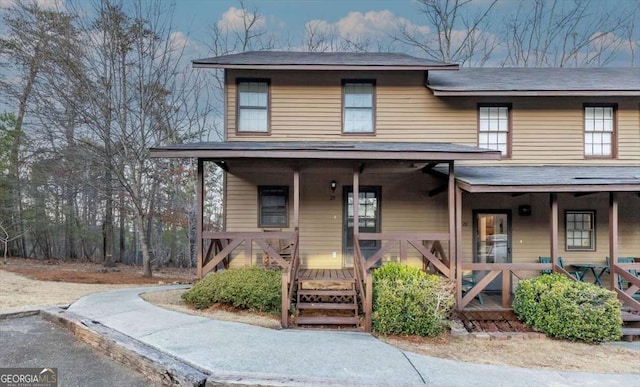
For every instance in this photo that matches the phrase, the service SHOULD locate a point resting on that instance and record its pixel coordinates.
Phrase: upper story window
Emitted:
(273, 204)
(599, 131)
(253, 106)
(580, 230)
(358, 107)
(493, 128)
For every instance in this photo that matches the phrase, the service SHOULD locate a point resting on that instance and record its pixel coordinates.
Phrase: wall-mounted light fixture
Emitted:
(334, 184)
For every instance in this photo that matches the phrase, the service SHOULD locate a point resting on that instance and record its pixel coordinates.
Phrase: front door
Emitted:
(492, 236)
(368, 217)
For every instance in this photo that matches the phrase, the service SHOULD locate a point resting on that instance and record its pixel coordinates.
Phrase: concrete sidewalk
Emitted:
(229, 351)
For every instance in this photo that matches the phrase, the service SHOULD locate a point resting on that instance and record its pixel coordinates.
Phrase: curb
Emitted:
(27, 311)
(155, 365)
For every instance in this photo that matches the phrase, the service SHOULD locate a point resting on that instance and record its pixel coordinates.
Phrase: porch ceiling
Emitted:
(326, 150)
(475, 179)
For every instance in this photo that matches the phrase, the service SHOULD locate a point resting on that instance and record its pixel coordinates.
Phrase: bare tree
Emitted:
(552, 33)
(455, 34)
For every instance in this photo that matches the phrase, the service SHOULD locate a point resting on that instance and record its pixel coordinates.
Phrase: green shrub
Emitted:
(567, 309)
(250, 287)
(407, 301)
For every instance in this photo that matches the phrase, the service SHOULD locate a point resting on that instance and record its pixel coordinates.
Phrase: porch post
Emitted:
(356, 204)
(456, 256)
(451, 198)
(554, 230)
(296, 199)
(199, 215)
(613, 238)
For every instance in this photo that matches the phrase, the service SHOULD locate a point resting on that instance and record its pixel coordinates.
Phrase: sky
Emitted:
(373, 19)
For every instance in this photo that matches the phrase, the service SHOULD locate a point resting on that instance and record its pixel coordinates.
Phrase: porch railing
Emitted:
(403, 242)
(627, 295)
(492, 271)
(221, 245)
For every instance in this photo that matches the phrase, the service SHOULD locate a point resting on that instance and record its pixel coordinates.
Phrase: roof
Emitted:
(536, 81)
(291, 60)
(406, 151)
(546, 178)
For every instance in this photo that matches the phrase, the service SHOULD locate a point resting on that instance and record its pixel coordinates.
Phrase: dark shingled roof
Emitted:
(552, 178)
(351, 150)
(321, 60)
(536, 81)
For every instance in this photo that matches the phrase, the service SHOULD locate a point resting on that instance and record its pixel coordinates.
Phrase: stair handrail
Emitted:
(359, 271)
(293, 267)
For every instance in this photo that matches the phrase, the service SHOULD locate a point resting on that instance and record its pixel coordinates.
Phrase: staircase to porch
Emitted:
(327, 298)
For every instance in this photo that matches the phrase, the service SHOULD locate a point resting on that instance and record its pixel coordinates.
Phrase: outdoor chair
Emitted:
(545, 260)
(468, 282)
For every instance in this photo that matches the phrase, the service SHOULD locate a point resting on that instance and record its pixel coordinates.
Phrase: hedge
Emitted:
(563, 308)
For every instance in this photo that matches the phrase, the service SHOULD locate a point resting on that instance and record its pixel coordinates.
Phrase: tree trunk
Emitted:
(144, 246)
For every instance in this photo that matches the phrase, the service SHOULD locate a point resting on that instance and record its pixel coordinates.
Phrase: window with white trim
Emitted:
(580, 230)
(358, 114)
(599, 131)
(493, 128)
(253, 106)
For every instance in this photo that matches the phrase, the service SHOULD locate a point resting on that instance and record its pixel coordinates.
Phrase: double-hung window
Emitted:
(580, 230)
(253, 106)
(274, 206)
(493, 128)
(358, 107)
(599, 131)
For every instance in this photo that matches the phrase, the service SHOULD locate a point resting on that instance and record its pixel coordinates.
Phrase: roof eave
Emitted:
(535, 93)
(322, 154)
(323, 67)
(545, 188)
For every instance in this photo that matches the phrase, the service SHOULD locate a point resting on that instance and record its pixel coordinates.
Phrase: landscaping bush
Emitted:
(560, 307)
(407, 301)
(250, 287)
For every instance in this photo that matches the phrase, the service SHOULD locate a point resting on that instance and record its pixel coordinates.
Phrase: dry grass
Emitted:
(171, 300)
(534, 353)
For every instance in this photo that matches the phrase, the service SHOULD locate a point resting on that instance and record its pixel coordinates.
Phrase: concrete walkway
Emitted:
(297, 357)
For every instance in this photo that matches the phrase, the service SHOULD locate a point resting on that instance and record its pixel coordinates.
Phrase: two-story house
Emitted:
(470, 173)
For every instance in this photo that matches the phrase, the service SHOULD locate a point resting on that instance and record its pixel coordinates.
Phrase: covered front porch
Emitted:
(516, 222)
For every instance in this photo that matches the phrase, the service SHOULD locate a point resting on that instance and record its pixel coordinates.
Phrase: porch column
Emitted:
(296, 199)
(356, 204)
(451, 198)
(456, 256)
(613, 237)
(554, 230)
(199, 215)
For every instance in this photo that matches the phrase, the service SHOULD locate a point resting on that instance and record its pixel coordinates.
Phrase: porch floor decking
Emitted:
(325, 274)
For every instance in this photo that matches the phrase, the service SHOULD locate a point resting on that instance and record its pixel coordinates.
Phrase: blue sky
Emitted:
(367, 19)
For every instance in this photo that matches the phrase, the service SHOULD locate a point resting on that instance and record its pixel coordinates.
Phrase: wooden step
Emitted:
(629, 334)
(326, 320)
(626, 316)
(325, 305)
(322, 292)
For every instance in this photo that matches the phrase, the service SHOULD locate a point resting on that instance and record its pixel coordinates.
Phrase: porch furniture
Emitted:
(624, 284)
(578, 274)
(545, 260)
(468, 282)
(597, 269)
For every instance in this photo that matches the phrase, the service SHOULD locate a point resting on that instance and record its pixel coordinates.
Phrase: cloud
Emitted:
(358, 25)
(236, 18)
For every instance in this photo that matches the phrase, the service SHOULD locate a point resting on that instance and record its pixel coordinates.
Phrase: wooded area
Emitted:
(89, 90)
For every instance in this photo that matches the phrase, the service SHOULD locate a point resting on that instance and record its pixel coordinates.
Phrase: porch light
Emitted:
(334, 184)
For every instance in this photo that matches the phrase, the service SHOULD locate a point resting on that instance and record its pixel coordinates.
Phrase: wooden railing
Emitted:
(492, 271)
(402, 241)
(222, 244)
(289, 278)
(626, 295)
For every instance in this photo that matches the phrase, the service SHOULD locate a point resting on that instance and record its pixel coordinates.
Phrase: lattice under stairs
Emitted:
(327, 298)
